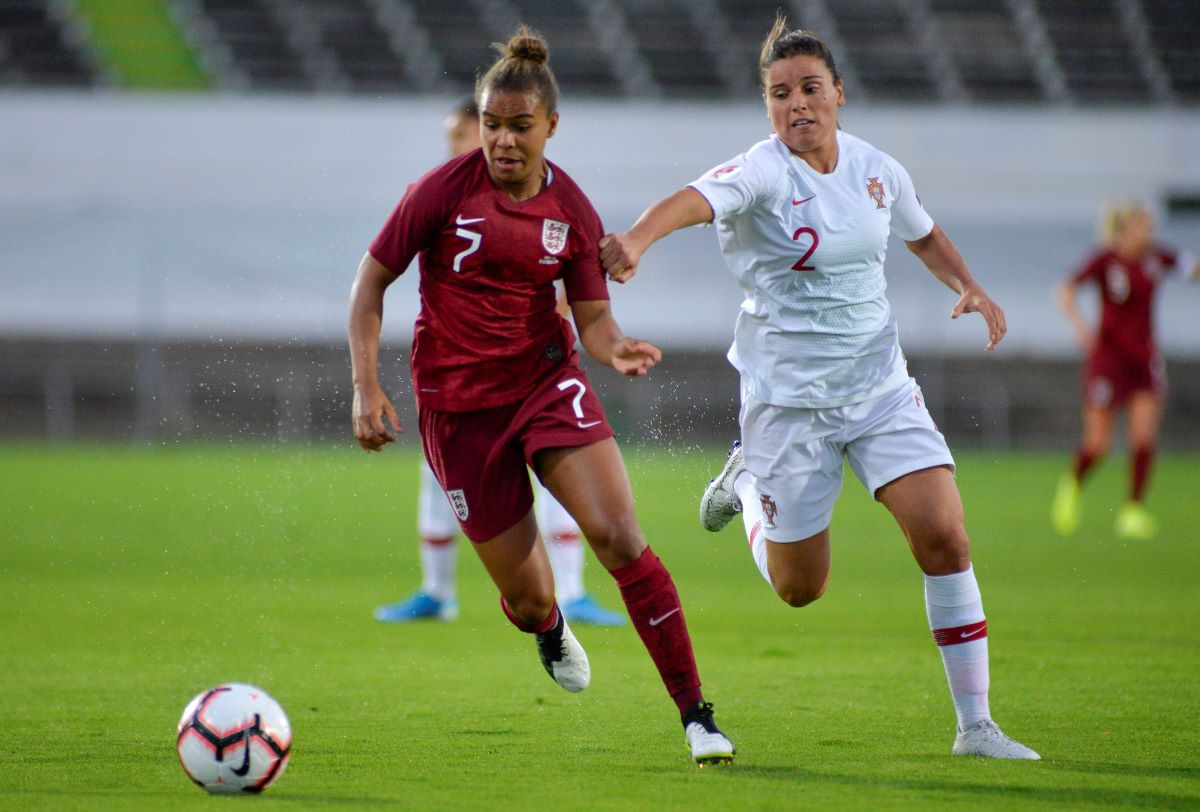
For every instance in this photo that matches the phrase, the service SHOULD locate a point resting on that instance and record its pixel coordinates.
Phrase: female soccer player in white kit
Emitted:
(803, 220)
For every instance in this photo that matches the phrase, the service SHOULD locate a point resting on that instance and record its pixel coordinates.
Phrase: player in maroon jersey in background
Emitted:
(498, 382)
(1123, 368)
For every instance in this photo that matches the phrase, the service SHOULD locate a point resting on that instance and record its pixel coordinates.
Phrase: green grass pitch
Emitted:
(132, 579)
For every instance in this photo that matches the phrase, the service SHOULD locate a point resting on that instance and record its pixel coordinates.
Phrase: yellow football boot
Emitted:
(1134, 523)
(1066, 511)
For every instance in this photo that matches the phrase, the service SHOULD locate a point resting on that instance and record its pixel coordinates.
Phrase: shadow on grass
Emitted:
(978, 792)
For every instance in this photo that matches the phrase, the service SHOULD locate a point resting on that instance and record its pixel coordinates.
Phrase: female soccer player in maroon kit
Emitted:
(498, 382)
(1123, 367)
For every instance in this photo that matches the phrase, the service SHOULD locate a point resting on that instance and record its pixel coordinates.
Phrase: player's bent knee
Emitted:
(797, 594)
(946, 553)
(616, 543)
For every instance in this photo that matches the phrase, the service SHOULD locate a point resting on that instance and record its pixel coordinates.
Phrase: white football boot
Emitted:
(563, 658)
(720, 504)
(707, 743)
(986, 739)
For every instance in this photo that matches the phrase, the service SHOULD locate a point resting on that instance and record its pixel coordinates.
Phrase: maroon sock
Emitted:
(546, 625)
(653, 604)
(1143, 458)
(1084, 460)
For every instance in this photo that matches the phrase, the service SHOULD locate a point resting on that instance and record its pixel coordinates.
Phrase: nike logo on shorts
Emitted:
(583, 425)
(654, 621)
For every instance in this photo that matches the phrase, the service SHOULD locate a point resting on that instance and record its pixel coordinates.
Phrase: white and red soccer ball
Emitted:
(234, 739)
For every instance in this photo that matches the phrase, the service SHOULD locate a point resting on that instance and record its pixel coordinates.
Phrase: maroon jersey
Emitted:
(488, 331)
(1127, 295)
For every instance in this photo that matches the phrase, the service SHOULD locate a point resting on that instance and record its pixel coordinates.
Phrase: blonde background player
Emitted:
(437, 526)
(1123, 368)
(803, 221)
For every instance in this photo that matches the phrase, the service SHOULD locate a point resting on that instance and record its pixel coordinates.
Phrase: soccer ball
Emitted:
(234, 738)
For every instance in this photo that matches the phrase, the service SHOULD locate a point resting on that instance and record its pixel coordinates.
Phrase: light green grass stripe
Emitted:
(142, 44)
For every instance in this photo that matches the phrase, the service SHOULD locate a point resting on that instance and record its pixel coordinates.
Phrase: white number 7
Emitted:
(567, 384)
(475, 239)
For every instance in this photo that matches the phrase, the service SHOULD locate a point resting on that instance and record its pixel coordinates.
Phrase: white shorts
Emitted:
(795, 455)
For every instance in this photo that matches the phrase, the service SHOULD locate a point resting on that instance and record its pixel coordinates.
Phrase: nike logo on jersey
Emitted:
(462, 221)
(654, 621)
(798, 202)
(583, 425)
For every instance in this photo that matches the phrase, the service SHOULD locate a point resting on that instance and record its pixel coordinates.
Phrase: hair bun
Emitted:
(526, 46)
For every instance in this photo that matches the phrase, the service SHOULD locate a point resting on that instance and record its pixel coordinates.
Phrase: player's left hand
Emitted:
(633, 357)
(975, 300)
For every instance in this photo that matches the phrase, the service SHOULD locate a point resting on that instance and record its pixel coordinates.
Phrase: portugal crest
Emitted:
(875, 190)
(554, 236)
(769, 509)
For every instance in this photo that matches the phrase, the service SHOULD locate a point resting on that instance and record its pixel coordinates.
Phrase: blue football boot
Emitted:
(585, 610)
(421, 606)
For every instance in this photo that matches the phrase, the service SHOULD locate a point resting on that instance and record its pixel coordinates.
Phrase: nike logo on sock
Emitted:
(654, 621)
(965, 635)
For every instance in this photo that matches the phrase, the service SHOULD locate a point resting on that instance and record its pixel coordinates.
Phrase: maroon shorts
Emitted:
(1109, 379)
(480, 458)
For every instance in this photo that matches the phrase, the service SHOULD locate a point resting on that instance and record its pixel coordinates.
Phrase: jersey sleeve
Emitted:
(412, 225)
(910, 221)
(1175, 263)
(1090, 269)
(583, 277)
(734, 187)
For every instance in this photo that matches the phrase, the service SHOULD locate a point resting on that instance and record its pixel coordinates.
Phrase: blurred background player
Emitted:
(803, 220)
(438, 528)
(498, 383)
(1123, 368)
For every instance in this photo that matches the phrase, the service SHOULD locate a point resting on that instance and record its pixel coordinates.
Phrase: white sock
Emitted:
(438, 558)
(563, 544)
(956, 618)
(743, 486)
(566, 559)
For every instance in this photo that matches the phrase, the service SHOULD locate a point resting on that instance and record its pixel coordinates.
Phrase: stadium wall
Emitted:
(153, 246)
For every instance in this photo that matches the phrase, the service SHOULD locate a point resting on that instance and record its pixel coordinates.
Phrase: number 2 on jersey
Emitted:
(475, 239)
(800, 266)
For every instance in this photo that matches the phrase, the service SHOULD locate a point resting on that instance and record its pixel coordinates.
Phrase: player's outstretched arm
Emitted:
(1064, 296)
(371, 405)
(941, 257)
(604, 341)
(620, 253)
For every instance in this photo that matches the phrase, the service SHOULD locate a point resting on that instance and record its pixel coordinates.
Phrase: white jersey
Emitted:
(815, 329)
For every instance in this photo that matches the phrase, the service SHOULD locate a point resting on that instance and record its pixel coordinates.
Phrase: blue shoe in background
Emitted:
(584, 609)
(421, 606)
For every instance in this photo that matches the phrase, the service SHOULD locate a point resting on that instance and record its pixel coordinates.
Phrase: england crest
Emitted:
(554, 236)
(458, 501)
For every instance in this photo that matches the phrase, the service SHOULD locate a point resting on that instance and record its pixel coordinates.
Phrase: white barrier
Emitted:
(245, 216)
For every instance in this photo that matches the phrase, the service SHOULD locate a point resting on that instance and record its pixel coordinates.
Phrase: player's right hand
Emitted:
(619, 256)
(370, 408)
